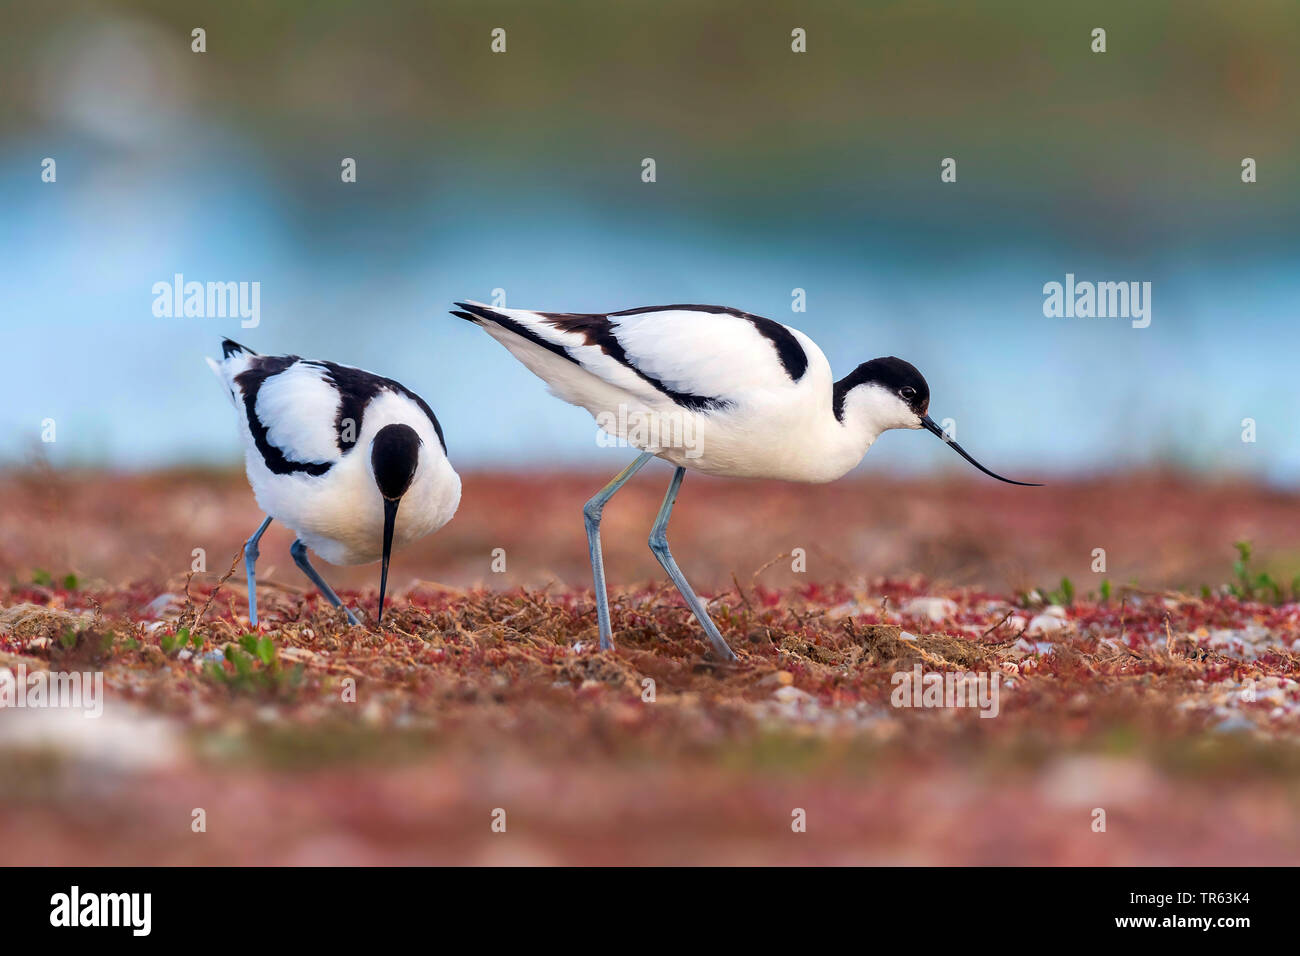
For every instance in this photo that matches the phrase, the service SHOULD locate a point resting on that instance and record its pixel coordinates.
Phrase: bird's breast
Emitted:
(340, 515)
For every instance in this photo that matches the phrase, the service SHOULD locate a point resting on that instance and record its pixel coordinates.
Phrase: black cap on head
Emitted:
(892, 374)
(394, 456)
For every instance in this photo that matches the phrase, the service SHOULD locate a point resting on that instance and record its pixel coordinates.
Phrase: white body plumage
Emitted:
(308, 429)
(712, 389)
(715, 390)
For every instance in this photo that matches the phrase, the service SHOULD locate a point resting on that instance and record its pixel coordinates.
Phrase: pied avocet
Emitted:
(353, 463)
(713, 389)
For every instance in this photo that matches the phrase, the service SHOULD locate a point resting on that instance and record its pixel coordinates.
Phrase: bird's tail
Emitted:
(229, 347)
(534, 327)
(476, 312)
(234, 359)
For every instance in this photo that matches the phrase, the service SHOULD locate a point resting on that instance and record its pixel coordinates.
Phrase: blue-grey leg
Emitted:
(591, 512)
(659, 545)
(250, 569)
(299, 552)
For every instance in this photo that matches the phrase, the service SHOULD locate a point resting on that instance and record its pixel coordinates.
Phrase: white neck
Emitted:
(868, 411)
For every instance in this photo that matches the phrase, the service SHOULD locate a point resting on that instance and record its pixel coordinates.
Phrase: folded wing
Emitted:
(697, 356)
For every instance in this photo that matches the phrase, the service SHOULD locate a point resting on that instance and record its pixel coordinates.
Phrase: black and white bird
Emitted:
(354, 464)
(712, 389)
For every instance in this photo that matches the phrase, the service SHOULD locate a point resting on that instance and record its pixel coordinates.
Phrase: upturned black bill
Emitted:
(931, 426)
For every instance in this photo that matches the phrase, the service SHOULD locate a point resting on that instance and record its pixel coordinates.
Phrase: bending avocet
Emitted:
(354, 464)
(713, 389)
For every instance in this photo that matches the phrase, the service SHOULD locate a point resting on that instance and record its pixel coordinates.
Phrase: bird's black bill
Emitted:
(390, 520)
(930, 425)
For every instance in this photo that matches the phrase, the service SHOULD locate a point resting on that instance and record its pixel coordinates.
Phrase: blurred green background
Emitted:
(775, 170)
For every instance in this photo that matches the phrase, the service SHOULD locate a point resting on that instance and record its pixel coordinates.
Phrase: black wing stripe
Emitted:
(598, 330)
(357, 388)
(491, 315)
(788, 350)
(250, 382)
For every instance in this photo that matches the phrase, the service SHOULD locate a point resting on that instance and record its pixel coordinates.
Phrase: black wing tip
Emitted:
(472, 312)
(229, 347)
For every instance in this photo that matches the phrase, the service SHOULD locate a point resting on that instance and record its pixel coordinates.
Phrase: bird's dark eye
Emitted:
(908, 392)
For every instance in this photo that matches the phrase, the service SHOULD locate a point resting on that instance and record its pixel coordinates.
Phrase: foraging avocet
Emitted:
(354, 464)
(714, 389)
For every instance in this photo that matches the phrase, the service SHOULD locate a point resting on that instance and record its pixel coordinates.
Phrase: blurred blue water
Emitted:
(367, 281)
